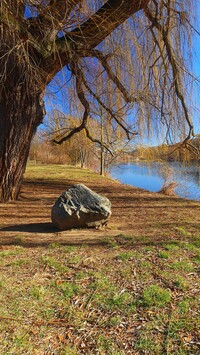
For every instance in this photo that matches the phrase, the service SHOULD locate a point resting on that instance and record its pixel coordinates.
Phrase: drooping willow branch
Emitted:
(103, 60)
(80, 79)
(76, 71)
(175, 69)
(119, 121)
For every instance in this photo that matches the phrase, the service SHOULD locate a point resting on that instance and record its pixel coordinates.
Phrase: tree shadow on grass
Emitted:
(44, 234)
(107, 242)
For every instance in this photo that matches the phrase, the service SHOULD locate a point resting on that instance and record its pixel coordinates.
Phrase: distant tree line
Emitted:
(174, 152)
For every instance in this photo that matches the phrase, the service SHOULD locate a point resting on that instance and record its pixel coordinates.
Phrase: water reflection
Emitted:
(151, 176)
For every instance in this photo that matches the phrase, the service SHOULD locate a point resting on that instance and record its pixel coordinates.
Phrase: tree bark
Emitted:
(21, 111)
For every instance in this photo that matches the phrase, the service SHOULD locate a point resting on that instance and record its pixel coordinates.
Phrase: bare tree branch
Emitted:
(61, 9)
(93, 31)
(80, 93)
(95, 140)
(112, 14)
(51, 17)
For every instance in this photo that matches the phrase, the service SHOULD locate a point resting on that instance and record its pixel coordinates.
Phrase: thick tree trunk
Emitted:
(20, 115)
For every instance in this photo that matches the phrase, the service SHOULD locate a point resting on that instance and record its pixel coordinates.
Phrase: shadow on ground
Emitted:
(46, 227)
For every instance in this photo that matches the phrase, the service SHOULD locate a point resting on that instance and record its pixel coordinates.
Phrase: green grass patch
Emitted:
(156, 296)
(11, 252)
(67, 289)
(147, 345)
(53, 263)
(163, 255)
(183, 231)
(184, 306)
(196, 257)
(172, 246)
(182, 265)
(110, 242)
(19, 262)
(180, 282)
(37, 292)
(125, 255)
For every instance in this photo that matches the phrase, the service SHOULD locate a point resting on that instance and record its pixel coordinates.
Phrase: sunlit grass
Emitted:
(112, 290)
(52, 172)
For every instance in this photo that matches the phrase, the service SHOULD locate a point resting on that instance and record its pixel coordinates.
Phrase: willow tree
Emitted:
(72, 33)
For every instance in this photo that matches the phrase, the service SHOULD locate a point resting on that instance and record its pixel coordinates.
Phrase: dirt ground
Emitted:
(146, 216)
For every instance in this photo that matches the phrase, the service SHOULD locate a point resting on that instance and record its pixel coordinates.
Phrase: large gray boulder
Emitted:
(80, 207)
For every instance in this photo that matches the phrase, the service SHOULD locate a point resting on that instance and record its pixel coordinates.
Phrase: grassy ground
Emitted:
(131, 288)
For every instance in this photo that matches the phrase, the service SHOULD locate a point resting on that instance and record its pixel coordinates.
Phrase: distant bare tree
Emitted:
(144, 60)
(78, 149)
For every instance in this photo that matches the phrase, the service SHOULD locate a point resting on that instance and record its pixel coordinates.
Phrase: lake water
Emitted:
(152, 176)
